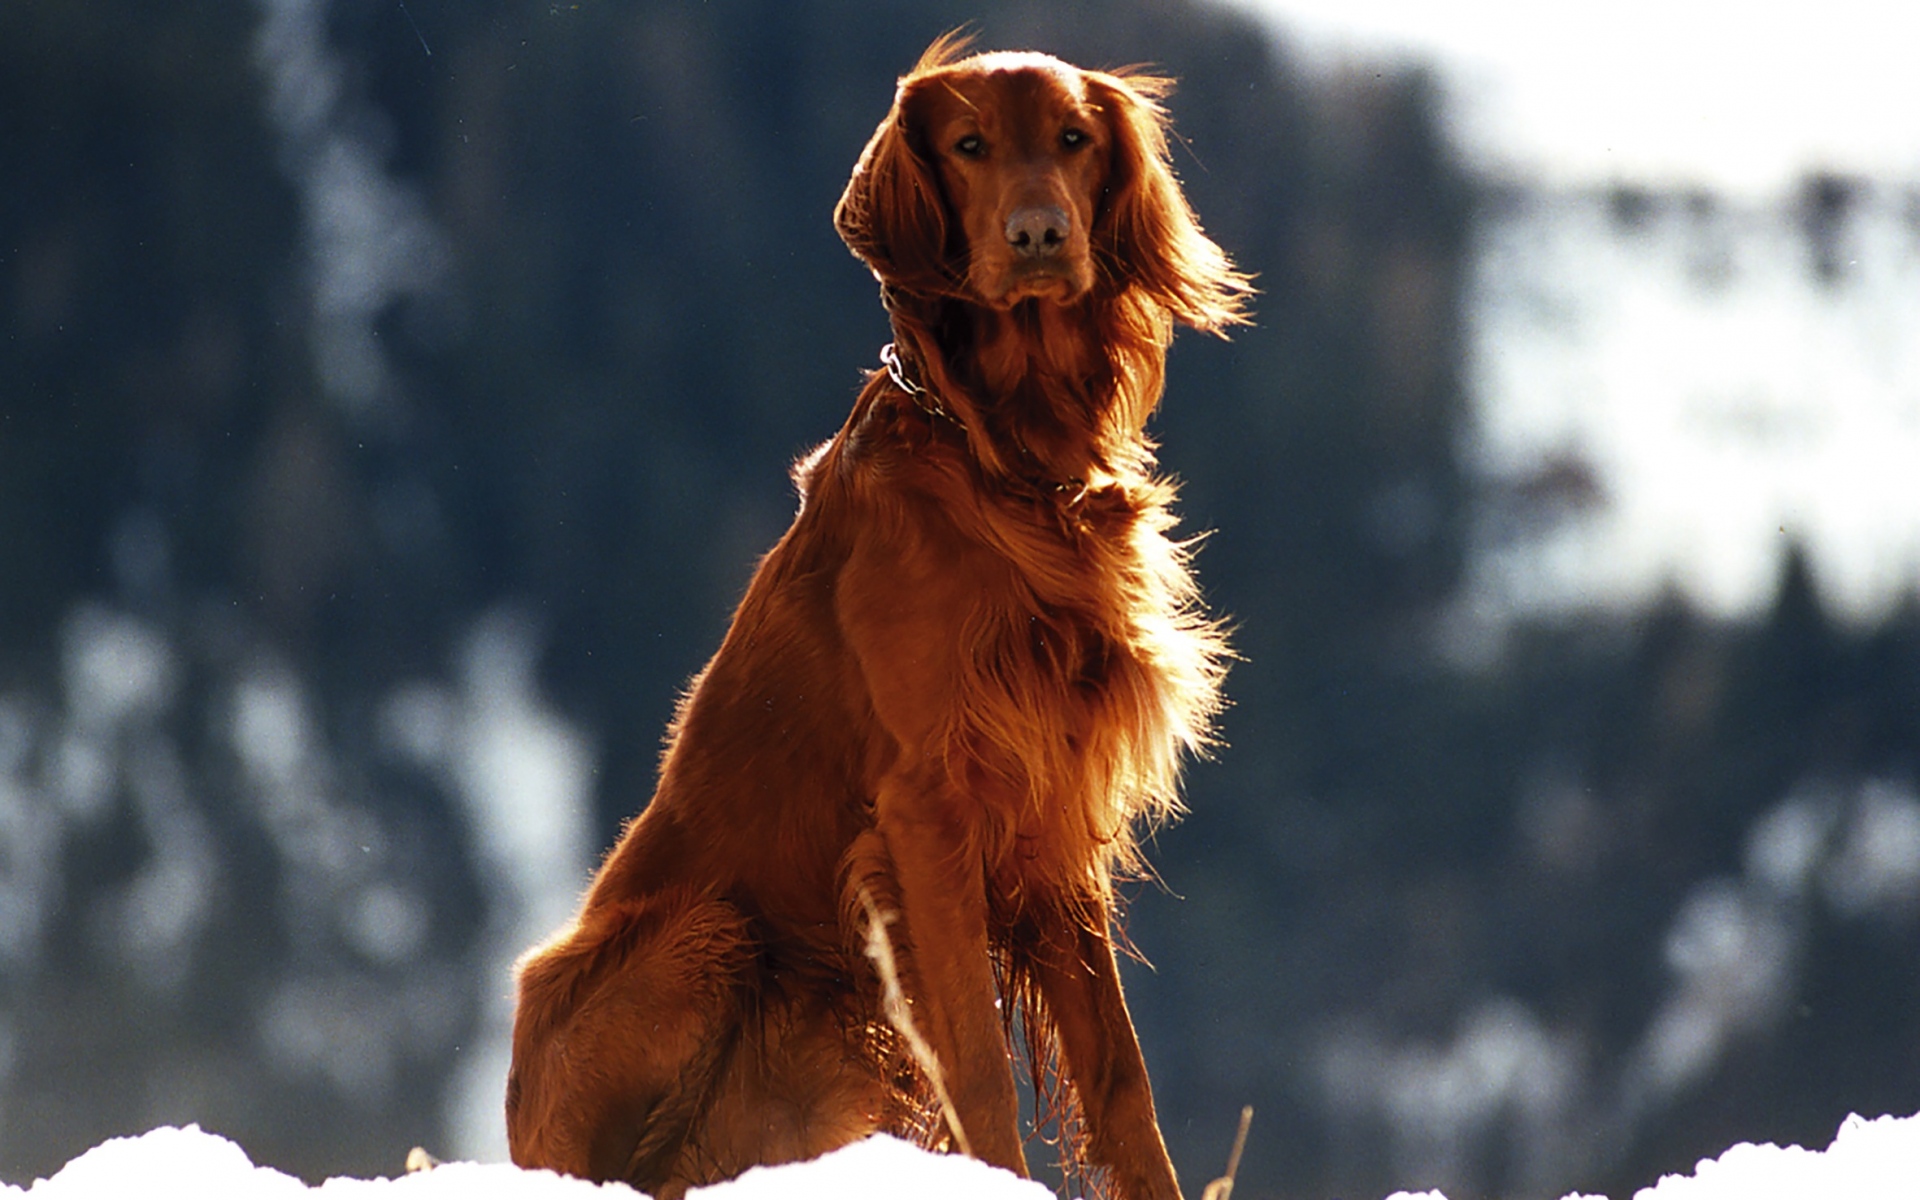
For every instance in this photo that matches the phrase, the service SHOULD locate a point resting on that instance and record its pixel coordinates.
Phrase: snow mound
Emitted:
(191, 1164)
(1868, 1160)
(879, 1168)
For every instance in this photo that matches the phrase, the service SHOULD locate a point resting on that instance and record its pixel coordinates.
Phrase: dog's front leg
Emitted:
(1080, 982)
(950, 981)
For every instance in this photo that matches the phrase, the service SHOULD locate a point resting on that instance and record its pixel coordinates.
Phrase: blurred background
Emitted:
(395, 395)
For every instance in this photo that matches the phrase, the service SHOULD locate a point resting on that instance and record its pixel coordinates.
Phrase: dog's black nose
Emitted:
(1037, 231)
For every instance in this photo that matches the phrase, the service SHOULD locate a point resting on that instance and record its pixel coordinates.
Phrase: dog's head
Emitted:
(1004, 177)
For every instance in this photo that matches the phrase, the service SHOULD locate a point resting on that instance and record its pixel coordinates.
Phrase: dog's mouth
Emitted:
(1059, 280)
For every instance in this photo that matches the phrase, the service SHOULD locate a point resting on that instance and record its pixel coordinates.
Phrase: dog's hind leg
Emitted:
(623, 1023)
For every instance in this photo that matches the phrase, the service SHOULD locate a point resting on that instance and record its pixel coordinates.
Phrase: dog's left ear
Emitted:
(893, 215)
(1146, 233)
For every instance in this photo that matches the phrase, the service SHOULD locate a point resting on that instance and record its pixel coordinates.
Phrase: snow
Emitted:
(1868, 1160)
(191, 1163)
(1729, 398)
(1730, 404)
(1734, 96)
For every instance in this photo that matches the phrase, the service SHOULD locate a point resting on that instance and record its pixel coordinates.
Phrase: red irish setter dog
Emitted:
(953, 690)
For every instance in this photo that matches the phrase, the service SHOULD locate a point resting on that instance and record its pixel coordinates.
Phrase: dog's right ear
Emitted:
(893, 215)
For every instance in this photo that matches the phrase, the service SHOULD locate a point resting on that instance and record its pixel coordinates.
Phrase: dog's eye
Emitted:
(970, 146)
(1072, 138)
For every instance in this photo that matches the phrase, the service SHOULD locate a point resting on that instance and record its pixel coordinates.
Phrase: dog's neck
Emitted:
(1031, 385)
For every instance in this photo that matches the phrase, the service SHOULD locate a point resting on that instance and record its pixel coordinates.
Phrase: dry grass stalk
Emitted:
(1222, 1188)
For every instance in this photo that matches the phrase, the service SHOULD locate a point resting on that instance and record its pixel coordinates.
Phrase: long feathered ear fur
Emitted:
(1146, 234)
(893, 214)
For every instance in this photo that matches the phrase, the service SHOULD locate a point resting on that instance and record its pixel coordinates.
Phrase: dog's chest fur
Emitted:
(1064, 664)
